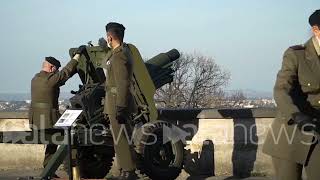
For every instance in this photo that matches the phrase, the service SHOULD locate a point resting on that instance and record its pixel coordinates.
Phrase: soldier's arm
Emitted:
(286, 78)
(121, 70)
(66, 72)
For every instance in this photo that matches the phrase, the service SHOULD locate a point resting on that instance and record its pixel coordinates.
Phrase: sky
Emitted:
(245, 37)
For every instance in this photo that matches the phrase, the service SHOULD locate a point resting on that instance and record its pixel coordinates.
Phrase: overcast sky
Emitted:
(247, 37)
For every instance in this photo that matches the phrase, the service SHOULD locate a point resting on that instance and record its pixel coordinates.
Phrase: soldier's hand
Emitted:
(121, 115)
(81, 49)
(303, 121)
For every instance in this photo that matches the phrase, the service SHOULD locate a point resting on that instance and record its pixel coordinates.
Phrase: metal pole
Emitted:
(69, 153)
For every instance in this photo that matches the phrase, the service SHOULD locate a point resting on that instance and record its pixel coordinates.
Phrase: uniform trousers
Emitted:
(123, 147)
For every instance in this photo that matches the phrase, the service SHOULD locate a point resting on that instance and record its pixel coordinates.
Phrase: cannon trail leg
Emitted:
(55, 162)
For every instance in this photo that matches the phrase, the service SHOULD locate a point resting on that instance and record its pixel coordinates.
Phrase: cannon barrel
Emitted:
(164, 74)
(159, 67)
(161, 82)
(164, 59)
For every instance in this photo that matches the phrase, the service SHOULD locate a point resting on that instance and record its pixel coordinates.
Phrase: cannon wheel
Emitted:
(159, 160)
(95, 161)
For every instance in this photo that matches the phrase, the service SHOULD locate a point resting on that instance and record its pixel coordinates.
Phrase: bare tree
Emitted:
(198, 82)
(236, 99)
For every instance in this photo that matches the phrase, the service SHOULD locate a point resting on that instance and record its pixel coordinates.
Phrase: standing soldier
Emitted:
(119, 100)
(291, 141)
(45, 90)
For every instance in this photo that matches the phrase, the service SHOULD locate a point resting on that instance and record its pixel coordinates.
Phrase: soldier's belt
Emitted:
(41, 105)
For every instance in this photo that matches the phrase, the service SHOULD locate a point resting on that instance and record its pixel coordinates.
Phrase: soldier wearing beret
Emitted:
(292, 140)
(119, 100)
(45, 90)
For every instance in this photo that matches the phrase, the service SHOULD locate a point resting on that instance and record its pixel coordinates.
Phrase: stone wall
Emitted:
(19, 156)
(236, 135)
(237, 148)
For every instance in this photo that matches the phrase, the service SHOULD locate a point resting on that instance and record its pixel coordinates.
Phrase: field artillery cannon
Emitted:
(162, 159)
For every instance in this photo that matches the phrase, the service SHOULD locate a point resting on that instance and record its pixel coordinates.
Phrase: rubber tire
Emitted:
(95, 161)
(145, 155)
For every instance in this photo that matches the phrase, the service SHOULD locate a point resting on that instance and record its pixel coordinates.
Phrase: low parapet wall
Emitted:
(18, 156)
(237, 136)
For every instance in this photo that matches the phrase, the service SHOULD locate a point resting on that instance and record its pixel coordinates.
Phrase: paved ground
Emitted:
(22, 175)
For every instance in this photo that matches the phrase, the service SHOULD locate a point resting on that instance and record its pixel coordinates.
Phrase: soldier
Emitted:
(291, 140)
(45, 89)
(119, 100)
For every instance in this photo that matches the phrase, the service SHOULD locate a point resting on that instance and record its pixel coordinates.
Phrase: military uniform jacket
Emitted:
(45, 90)
(297, 89)
(119, 74)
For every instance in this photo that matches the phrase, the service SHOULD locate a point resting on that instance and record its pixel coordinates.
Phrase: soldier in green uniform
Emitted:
(291, 141)
(45, 90)
(119, 100)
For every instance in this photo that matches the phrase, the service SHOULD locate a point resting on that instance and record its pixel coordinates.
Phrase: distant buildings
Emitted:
(24, 105)
(65, 104)
(247, 103)
(14, 105)
(250, 103)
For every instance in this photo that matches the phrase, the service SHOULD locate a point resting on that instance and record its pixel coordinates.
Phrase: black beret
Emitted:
(114, 25)
(53, 61)
(314, 19)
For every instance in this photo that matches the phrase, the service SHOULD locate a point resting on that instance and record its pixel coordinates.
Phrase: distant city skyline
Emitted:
(245, 37)
(249, 94)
